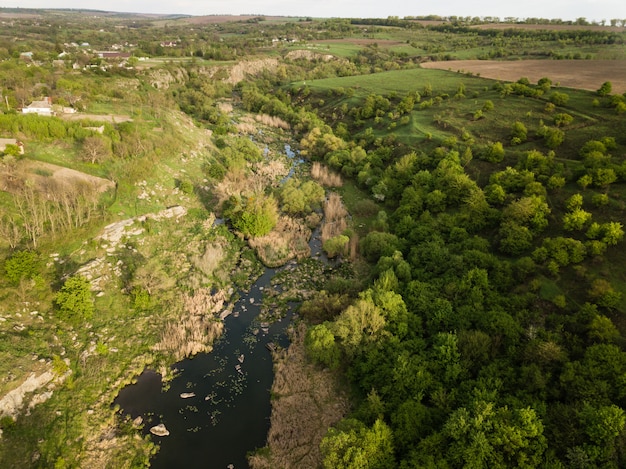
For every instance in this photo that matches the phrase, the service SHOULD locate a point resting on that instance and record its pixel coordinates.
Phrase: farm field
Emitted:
(582, 74)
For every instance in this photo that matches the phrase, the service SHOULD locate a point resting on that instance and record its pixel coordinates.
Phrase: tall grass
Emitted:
(335, 217)
(195, 332)
(325, 176)
(273, 121)
(308, 401)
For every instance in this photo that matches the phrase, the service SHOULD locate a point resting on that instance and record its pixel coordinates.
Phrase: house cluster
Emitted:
(277, 40)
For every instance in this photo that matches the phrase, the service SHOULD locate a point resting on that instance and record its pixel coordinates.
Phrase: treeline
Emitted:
(579, 37)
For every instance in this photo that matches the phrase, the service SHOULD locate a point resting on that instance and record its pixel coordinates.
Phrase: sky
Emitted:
(592, 10)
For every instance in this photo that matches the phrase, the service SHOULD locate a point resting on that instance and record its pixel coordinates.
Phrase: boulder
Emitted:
(159, 430)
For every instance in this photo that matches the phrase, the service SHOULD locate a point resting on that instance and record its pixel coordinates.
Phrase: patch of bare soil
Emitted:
(308, 400)
(46, 175)
(580, 74)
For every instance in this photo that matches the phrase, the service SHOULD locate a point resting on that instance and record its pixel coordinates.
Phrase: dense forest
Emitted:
(477, 316)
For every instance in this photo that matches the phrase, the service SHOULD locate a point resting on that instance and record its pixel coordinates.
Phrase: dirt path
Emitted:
(581, 74)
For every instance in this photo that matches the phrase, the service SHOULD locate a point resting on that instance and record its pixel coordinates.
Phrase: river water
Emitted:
(227, 412)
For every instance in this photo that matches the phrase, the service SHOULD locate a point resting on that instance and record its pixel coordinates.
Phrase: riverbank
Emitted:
(306, 401)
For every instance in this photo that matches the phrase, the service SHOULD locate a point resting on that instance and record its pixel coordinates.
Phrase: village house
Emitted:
(11, 141)
(113, 55)
(42, 108)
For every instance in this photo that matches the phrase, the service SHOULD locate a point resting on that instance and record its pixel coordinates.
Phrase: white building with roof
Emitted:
(43, 108)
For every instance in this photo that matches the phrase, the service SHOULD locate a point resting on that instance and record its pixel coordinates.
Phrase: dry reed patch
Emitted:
(308, 401)
(272, 171)
(226, 108)
(289, 239)
(237, 183)
(246, 128)
(209, 260)
(250, 181)
(272, 121)
(325, 176)
(335, 217)
(196, 331)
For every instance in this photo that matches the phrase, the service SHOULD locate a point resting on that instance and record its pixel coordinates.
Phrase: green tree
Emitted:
(494, 152)
(519, 133)
(559, 99)
(336, 245)
(377, 244)
(255, 215)
(603, 425)
(605, 89)
(515, 238)
(21, 265)
(321, 346)
(74, 300)
(352, 445)
(483, 435)
(576, 219)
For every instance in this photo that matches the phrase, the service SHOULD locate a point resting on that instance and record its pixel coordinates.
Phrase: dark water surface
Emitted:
(229, 414)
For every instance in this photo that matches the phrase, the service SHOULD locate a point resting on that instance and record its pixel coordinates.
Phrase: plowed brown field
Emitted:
(581, 74)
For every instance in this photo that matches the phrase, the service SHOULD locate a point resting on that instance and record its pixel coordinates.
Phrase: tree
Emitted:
(515, 238)
(605, 89)
(519, 133)
(300, 198)
(494, 152)
(603, 425)
(336, 245)
(483, 435)
(74, 300)
(321, 346)
(96, 149)
(558, 98)
(576, 219)
(377, 244)
(254, 216)
(352, 445)
(21, 265)
(552, 136)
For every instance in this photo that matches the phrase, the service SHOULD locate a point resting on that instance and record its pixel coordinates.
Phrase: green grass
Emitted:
(401, 82)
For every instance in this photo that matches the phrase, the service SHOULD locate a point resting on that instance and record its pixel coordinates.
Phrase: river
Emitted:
(217, 407)
(228, 415)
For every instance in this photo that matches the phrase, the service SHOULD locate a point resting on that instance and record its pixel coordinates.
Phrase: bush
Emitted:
(559, 99)
(336, 245)
(253, 216)
(74, 300)
(22, 265)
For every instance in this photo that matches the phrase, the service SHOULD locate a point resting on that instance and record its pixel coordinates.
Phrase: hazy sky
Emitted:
(564, 9)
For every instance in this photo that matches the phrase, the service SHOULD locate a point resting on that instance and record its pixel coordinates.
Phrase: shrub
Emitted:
(74, 299)
(22, 265)
(605, 89)
(559, 99)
